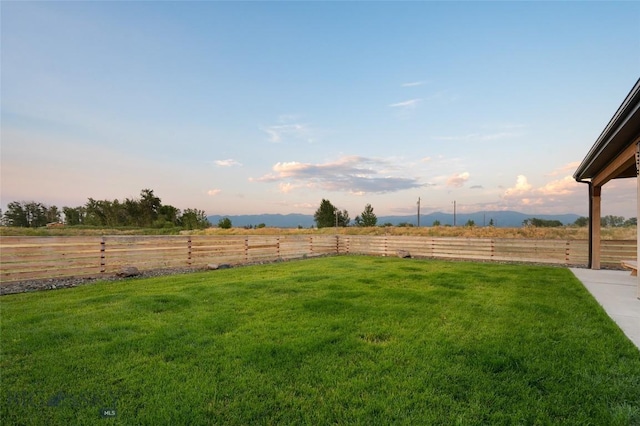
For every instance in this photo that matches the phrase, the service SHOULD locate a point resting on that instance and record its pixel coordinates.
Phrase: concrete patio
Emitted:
(616, 291)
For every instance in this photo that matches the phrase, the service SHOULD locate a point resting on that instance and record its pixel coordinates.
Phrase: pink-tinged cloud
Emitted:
(353, 174)
(567, 169)
(564, 186)
(458, 180)
(561, 195)
(287, 187)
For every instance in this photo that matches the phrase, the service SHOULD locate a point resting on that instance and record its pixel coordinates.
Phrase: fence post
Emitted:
(189, 261)
(246, 249)
(278, 246)
(493, 248)
(103, 255)
(567, 252)
(310, 246)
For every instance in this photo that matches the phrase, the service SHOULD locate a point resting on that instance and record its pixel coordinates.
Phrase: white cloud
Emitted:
(490, 133)
(411, 103)
(564, 186)
(278, 132)
(522, 186)
(413, 84)
(352, 174)
(227, 163)
(288, 127)
(214, 192)
(561, 195)
(478, 137)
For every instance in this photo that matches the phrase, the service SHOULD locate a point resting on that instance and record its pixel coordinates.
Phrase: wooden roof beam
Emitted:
(621, 163)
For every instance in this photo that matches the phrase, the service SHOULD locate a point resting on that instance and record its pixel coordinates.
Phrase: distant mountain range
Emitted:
(502, 219)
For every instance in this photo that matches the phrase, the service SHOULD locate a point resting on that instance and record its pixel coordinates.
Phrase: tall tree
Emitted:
(16, 215)
(53, 214)
(367, 217)
(149, 206)
(343, 218)
(611, 221)
(195, 219)
(225, 223)
(169, 213)
(581, 221)
(94, 214)
(27, 214)
(327, 215)
(73, 215)
(133, 212)
(106, 213)
(147, 211)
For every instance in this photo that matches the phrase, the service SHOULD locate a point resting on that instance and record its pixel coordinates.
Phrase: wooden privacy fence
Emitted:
(567, 252)
(25, 258)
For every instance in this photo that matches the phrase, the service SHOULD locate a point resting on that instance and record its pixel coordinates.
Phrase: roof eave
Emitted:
(629, 110)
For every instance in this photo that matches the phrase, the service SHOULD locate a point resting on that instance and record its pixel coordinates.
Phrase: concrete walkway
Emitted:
(616, 291)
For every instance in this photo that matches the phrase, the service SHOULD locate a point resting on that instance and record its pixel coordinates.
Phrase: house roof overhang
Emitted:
(610, 158)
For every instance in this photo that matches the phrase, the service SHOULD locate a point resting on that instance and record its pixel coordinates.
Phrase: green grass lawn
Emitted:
(337, 340)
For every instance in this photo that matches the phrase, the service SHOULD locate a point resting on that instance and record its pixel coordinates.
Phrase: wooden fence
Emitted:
(27, 258)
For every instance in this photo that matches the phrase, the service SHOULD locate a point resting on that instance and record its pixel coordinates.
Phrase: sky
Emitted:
(271, 107)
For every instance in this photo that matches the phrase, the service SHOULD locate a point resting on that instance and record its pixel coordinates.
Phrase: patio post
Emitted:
(638, 212)
(594, 226)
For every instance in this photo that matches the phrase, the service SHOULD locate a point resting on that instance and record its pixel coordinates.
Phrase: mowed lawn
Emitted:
(336, 340)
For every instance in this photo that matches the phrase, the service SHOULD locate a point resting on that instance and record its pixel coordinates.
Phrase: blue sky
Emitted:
(269, 107)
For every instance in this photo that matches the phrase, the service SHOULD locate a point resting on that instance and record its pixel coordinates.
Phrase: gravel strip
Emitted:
(58, 283)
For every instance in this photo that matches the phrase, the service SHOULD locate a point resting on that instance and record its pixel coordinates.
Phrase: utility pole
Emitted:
(454, 212)
(418, 212)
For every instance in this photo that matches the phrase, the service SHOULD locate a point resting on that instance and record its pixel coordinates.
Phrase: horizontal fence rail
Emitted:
(564, 252)
(30, 258)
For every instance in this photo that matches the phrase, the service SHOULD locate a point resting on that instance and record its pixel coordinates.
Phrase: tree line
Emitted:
(144, 212)
(147, 211)
(609, 221)
(329, 215)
